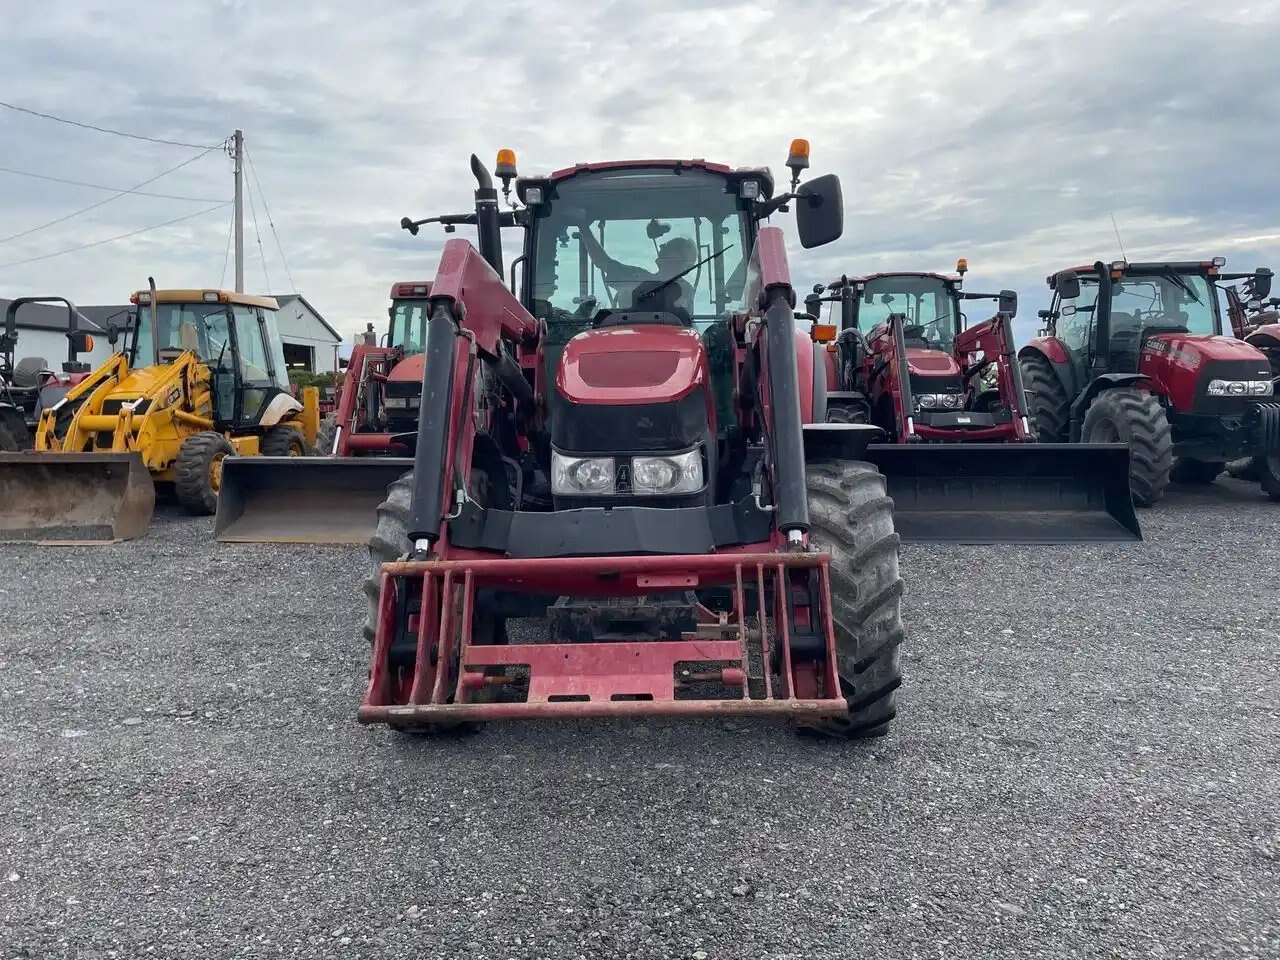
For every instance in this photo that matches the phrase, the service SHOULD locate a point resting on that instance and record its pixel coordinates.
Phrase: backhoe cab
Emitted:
(1136, 352)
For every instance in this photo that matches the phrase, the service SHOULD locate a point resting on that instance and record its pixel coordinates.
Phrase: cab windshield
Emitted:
(202, 327)
(409, 325)
(925, 301)
(1167, 299)
(608, 238)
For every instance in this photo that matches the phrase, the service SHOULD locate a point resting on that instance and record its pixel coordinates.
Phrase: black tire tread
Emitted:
(1141, 422)
(324, 436)
(1187, 470)
(852, 517)
(277, 441)
(191, 471)
(13, 441)
(1050, 410)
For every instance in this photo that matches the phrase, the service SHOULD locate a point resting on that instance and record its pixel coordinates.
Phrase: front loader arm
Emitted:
(991, 339)
(58, 426)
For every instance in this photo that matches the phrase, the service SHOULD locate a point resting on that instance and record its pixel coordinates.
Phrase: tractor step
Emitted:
(678, 658)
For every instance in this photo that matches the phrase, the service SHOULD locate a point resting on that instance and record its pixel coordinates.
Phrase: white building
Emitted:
(309, 342)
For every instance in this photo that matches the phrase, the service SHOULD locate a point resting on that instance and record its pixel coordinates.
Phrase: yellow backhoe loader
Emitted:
(201, 377)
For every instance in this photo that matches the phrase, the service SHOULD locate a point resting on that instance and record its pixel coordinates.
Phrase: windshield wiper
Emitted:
(1177, 278)
(666, 283)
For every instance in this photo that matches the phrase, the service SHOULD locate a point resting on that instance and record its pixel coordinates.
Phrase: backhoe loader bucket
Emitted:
(1009, 492)
(303, 499)
(74, 497)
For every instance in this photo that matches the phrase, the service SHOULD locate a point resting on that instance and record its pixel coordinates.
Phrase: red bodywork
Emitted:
(1171, 362)
(601, 678)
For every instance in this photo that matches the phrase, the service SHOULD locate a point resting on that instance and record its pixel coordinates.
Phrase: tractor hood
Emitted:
(1191, 351)
(931, 363)
(626, 365)
(408, 370)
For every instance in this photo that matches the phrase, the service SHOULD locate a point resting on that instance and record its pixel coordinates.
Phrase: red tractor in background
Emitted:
(1258, 327)
(962, 461)
(27, 386)
(1135, 352)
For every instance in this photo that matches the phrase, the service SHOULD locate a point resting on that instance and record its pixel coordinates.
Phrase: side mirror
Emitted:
(113, 333)
(343, 363)
(1068, 311)
(1068, 285)
(1008, 302)
(1262, 283)
(820, 211)
(812, 303)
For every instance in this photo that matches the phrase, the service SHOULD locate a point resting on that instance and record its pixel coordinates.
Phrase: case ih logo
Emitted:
(1190, 358)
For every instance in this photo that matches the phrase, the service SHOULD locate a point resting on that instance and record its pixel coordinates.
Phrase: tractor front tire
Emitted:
(390, 542)
(1269, 475)
(14, 435)
(282, 442)
(197, 472)
(1136, 418)
(325, 436)
(1200, 472)
(851, 516)
(1050, 406)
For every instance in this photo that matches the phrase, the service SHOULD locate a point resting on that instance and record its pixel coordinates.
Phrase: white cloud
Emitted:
(1005, 131)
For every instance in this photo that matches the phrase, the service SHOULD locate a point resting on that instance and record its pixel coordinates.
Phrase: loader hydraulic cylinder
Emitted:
(788, 426)
(430, 477)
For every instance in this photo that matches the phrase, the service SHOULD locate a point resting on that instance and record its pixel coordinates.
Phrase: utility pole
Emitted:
(239, 209)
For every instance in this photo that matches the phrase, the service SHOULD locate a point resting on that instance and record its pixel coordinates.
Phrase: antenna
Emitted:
(1123, 255)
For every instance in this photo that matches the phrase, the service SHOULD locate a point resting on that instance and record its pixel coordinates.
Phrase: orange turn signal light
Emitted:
(823, 332)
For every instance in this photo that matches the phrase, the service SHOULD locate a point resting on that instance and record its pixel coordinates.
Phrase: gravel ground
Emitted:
(1085, 765)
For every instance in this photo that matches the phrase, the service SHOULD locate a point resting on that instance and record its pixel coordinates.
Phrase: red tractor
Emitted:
(961, 462)
(1135, 352)
(27, 386)
(1259, 327)
(572, 461)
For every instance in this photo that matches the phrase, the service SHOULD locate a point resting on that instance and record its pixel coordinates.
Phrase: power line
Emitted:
(123, 236)
(261, 255)
(116, 133)
(98, 186)
(115, 196)
(270, 222)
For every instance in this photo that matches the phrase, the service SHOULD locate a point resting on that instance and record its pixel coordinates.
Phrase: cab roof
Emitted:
(203, 296)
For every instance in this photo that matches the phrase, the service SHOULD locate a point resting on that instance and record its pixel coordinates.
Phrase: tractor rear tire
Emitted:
(197, 472)
(14, 435)
(1187, 470)
(325, 436)
(1134, 417)
(1269, 475)
(1050, 411)
(851, 516)
(390, 542)
(282, 442)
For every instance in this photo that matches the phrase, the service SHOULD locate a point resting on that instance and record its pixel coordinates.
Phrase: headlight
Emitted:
(403, 403)
(940, 401)
(681, 473)
(570, 475)
(1240, 388)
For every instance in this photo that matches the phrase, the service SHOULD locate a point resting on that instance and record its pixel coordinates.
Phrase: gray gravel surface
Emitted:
(1085, 765)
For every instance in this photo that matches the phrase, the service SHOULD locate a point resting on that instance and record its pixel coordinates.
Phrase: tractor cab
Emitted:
(408, 315)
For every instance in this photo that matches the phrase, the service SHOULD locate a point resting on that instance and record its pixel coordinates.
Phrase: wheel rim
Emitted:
(215, 472)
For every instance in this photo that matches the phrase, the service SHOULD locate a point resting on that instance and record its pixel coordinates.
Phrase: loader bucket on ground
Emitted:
(1009, 492)
(303, 499)
(74, 497)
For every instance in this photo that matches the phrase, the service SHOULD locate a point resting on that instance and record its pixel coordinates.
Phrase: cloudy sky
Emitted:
(1005, 131)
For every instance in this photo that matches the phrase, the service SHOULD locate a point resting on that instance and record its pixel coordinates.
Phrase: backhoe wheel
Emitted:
(282, 442)
(851, 516)
(390, 542)
(1187, 470)
(325, 436)
(1050, 406)
(197, 473)
(1134, 417)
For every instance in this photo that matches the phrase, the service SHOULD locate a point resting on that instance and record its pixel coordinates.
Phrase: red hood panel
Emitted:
(1192, 349)
(931, 363)
(410, 368)
(631, 365)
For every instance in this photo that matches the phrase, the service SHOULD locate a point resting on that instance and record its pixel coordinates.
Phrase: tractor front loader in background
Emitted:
(363, 446)
(200, 380)
(962, 460)
(572, 462)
